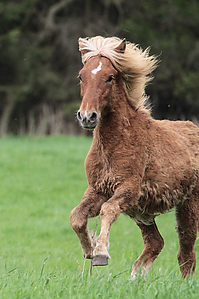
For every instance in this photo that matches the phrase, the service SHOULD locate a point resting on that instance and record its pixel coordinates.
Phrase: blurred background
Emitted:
(39, 57)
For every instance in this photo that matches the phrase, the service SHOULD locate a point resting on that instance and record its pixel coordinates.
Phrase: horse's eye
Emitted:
(109, 79)
(80, 78)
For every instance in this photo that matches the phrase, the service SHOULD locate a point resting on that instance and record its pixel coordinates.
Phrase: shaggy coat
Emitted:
(136, 165)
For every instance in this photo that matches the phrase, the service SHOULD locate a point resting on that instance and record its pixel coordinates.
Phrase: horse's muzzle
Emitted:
(88, 120)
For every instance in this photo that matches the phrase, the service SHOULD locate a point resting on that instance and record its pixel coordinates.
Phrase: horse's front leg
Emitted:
(110, 211)
(89, 207)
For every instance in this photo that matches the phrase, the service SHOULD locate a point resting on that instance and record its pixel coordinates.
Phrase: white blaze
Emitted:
(95, 71)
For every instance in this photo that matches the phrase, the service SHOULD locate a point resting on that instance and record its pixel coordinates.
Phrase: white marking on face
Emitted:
(95, 71)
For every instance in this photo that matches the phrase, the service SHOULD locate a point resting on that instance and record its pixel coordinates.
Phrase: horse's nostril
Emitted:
(93, 116)
(86, 119)
(79, 117)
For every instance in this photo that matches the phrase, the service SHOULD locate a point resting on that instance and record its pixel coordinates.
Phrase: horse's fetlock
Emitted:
(87, 256)
(101, 250)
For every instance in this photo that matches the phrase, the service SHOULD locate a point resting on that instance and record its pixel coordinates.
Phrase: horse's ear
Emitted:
(122, 46)
(83, 51)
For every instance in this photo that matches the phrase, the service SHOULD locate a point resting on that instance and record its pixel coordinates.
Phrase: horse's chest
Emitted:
(102, 177)
(106, 182)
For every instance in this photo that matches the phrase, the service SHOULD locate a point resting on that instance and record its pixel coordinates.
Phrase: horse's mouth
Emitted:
(88, 126)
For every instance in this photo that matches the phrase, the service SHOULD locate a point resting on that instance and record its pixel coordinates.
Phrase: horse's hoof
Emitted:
(100, 260)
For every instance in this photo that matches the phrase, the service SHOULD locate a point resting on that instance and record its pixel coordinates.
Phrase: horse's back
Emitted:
(173, 161)
(186, 134)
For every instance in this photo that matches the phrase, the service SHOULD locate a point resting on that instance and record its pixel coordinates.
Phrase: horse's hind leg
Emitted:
(187, 225)
(153, 244)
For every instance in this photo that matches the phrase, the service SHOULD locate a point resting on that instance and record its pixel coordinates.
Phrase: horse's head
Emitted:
(97, 80)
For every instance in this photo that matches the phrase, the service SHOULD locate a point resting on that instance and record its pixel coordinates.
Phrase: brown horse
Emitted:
(136, 165)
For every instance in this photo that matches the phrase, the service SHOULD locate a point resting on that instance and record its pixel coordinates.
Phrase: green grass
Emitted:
(42, 179)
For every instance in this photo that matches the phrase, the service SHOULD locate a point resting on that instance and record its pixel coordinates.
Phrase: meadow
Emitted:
(42, 179)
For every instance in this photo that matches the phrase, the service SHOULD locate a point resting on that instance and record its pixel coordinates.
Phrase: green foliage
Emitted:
(39, 58)
(170, 28)
(42, 179)
(26, 60)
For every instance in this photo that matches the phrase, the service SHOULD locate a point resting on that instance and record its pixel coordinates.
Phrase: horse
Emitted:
(136, 165)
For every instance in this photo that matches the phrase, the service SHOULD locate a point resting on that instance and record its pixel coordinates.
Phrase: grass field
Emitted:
(42, 179)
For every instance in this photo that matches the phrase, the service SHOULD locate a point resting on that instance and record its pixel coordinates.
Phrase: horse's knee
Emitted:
(110, 209)
(78, 220)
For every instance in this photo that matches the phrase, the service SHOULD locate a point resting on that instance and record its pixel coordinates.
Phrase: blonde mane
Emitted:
(134, 64)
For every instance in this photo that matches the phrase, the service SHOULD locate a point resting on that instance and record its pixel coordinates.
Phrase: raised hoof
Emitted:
(99, 260)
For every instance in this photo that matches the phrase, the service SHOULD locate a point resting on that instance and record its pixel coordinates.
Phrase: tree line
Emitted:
(39, 57)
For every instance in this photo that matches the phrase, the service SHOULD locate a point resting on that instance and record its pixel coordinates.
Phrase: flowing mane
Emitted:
(134, 64)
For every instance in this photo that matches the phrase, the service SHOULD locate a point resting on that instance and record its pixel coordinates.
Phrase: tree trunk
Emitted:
(5, 117)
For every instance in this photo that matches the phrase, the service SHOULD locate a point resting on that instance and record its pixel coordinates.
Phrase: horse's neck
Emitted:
(112, 127)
